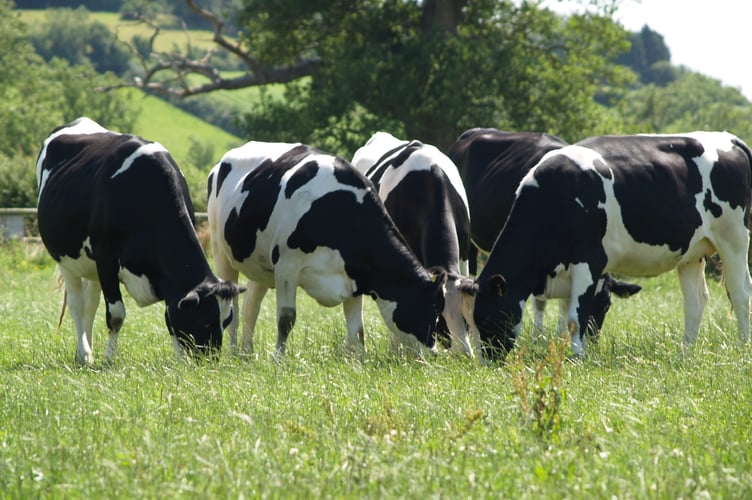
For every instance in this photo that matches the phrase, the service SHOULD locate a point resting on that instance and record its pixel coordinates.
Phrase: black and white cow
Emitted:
(423, 194)
(289, 215)
(115, 208)
(635, 205)
(492, 163)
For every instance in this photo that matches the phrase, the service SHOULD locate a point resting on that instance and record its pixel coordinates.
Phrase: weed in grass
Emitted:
(540, 398)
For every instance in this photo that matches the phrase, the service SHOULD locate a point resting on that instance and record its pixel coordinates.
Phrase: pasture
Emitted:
(635, 418)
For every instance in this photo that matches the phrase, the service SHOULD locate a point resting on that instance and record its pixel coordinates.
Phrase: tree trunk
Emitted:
(442, 17)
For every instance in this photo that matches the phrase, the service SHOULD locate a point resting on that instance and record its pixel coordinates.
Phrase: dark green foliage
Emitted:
(385, 66)
(18, 186)
(36, 97)
(649, 57)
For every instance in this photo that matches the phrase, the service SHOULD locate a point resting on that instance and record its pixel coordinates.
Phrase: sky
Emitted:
(712, 37)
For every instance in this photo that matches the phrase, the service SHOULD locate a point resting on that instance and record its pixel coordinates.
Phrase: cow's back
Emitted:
(492, 163)
(424, 195)
(87, 190)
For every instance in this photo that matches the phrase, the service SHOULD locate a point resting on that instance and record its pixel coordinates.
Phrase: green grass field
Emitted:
(169, 39)
(176, 129)
(634, 419)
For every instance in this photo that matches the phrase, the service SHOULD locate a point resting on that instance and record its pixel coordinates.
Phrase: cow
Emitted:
(423, 194)
(492, 163)
(289, 215)
(635, 205)
(114, 208)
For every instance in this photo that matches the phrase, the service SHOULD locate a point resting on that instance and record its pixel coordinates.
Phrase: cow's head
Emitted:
(605, 287)
(197, 320)
(413, 315)
(498, 316)
(459, 301)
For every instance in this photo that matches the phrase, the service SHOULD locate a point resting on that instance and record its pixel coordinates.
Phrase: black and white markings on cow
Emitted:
(634, 205)
(492, 163)
(424, 195)
(288, 215)
(115, 208)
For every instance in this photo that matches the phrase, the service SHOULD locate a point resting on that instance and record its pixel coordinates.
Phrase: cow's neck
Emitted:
(522, 266)
(181, 265)
(391, 267)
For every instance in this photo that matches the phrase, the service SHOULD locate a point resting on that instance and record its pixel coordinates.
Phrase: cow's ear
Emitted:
(624, 289)
(497, 284)
(190, 301)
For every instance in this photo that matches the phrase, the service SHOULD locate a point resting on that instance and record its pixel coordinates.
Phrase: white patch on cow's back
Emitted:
(81, 126)
(377, 146)
(139, 287)
(243, 160)
(144, 150)
(422, 159)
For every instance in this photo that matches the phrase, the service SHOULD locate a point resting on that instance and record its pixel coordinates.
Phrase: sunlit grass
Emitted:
(637, 418)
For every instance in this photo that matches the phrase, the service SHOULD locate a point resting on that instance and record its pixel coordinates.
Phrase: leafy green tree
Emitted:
(35, 97)
(692, 102)
(431, 69)
(649, 57)
(425, 69)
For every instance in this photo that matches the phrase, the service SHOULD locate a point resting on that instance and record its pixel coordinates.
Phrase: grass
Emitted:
(635, 418)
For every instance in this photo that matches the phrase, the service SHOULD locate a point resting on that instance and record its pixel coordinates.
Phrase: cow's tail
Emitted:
(745, 149)
(59, 279)
(748, 153)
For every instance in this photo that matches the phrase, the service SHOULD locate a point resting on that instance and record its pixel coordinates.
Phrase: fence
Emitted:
(12, 221)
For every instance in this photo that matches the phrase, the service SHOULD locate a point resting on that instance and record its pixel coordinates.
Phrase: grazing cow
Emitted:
(492, 163)
(289, 215)
(635, 205)
(115, 208)
(423, 194)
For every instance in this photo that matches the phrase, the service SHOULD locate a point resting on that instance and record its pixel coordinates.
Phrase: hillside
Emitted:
(177, 130)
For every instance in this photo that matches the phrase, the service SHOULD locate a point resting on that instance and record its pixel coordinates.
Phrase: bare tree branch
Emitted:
(168, 73)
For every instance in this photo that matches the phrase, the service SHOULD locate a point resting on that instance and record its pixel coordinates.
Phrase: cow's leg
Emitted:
(577, 315)
(695, 294)
(733, 252)
(82, 297)
(539, 309)
(254, 295)
(226, 272)
(355, 340)
(561, 326)
(107, 269)
(286, 288)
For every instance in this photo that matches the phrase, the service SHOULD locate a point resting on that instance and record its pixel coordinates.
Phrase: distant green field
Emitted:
(176, 129)
(168, 39)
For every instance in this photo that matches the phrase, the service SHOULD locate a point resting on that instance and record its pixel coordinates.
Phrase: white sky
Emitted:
(712, 37)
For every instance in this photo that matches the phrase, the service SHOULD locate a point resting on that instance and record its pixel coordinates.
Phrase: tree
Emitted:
(649, 57)
(424, 69)
(691, 102)
(36, 97)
